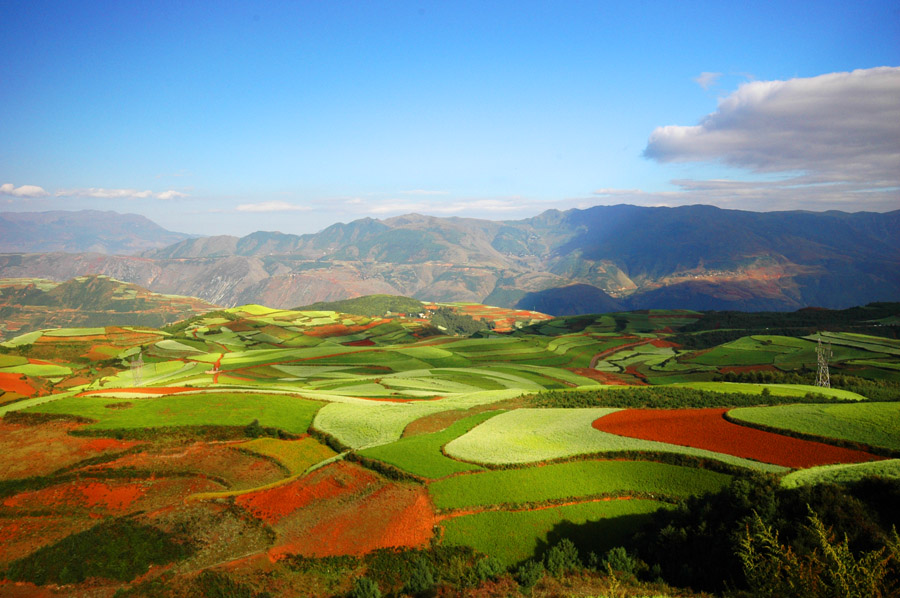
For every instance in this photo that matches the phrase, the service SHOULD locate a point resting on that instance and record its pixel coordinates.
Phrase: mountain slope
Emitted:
(82, 231)
(689, 257)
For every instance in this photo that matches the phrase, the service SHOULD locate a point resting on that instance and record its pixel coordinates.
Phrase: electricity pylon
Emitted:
(823, 354)
(137, 370)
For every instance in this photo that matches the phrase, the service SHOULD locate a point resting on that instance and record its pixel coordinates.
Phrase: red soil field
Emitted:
(660, 343)
(103, 498)
(16, 383)
(366, 342)
(708, 429)
(342, 509)
(273, 504)
(40, 450)
(393, 515)
(97, 496)
(604, 377)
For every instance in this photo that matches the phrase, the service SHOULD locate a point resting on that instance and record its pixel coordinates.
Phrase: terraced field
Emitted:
(319, 433)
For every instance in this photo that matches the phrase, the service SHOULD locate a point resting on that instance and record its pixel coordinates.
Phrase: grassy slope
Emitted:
(533, 435)
(421, 455)
(875, 424)
(288, 413)
(570, 480)
(511, 537)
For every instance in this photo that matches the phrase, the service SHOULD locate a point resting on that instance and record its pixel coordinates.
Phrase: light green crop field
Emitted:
(533, 435)
(288, 413)
(12, 360)
(841, 474)
(359, 423)
(511, 537)
(876, 344)
(781, 390)
(38, 369)
(64, 332)
(421, 455)
(874, 424)
(572, 480)
(23, 339)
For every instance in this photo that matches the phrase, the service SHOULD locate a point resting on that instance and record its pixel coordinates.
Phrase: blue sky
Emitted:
(222, 117)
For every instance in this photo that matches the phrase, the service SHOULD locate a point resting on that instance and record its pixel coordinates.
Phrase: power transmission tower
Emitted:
(823, 354)
(137, 369)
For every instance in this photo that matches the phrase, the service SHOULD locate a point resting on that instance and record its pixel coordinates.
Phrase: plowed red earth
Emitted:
(603, 377)
(708, 429)
(273, 504)
(97, 496)
(43, 449)
(15, 383)
(110, 497)
(343, 509)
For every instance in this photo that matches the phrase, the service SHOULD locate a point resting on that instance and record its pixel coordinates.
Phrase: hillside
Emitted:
(696, 257)
(27, 305)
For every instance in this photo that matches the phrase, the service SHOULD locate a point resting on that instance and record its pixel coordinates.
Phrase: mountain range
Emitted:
(602, 258)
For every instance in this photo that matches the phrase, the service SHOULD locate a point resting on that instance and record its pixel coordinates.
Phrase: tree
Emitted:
(563, 557)
(363, 587)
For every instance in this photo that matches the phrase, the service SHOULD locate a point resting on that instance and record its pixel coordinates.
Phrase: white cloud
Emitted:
(101, 193)
(271, 206)
(170, 195)
(838, 127)
(796, 193)
(29, 191)
(707, 80)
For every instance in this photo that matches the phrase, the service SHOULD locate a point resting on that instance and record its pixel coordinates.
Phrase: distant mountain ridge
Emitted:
(82, 231)
(695, 257)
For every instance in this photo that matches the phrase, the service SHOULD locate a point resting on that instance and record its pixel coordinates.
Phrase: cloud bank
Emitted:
(101, 193)
(28, 191)
(838, 127)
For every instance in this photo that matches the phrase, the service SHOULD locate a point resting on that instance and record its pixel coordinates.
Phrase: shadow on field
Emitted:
(593, 536)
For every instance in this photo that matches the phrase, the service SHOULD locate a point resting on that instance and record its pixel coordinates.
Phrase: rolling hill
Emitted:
(27, 305)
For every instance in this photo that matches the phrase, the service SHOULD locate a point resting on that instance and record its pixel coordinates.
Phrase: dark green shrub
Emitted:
(529, 573)
(617, 560)
(488, 568)
(562, 558)
(363, 587)
(213, 584)
(421, 579)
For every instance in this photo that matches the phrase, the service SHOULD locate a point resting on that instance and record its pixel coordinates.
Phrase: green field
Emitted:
(511, 537)
(572, 480)
(838, 474)
(535, 435)
(291, 414)
(421, 455)
(874, 424)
